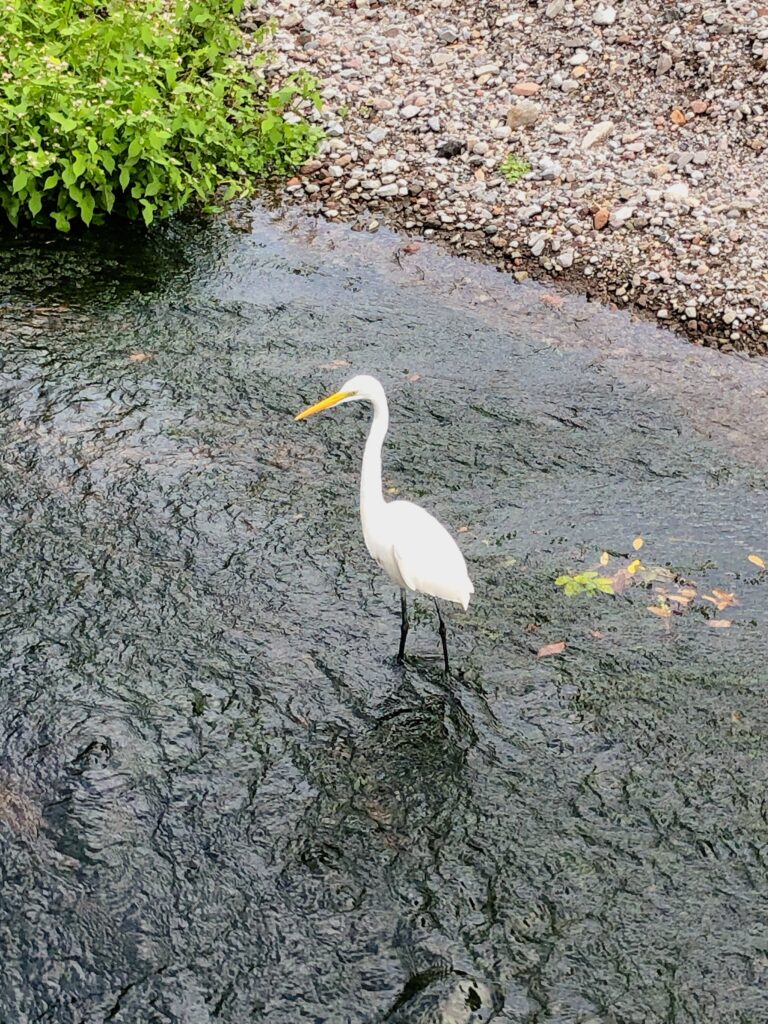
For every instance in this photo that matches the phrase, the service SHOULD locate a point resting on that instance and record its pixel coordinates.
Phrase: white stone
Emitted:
(599, 133)
(604, 15)
(677, 193)
(621, 215)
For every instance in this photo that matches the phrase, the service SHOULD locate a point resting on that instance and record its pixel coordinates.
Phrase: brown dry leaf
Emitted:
(548, 649)
(553, 300)
(679, 599)
(661, 610)
(756, 560)
(596, 634)
(689, 592)
(335, 365)
(140, 357)
(637, 543)
(633, 567)
(605, 558)
(620, 581)
(411, 247)
(720, 623)
(414, 377)
(677, 116)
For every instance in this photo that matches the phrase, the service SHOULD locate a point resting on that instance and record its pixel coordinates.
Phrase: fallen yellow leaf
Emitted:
(660, 610)
(637, 543)
(605, 558)
(548, 649)
(756, 560)
(633, 567)
(720, 623)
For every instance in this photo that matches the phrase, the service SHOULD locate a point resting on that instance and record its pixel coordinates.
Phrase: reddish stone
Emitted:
(525, 88)
(601, 218)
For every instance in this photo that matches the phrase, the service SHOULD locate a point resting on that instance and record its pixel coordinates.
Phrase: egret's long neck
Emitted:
(371, 498)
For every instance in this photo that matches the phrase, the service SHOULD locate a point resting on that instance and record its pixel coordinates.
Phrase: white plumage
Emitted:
(410, 545)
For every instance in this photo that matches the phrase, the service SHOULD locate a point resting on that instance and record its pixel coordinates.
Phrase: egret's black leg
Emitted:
(443, 637)
(404, 624)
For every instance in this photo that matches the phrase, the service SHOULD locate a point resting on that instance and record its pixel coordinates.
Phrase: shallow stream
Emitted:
(220, 797)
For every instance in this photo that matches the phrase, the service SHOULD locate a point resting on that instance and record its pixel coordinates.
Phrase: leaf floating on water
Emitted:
(637, 543)
(721, 599)
(756, 560)
(549, 649)
(605, 558)
(662, 611)
(720, 623)
(335, 365)
(633, 567)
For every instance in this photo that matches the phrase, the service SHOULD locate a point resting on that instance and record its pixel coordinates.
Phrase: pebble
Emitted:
(601, 218)
(525, 88)
(621, 215)
(410, 111)
(599, 133)
(522, 113)
(604, 15)
(677, 193)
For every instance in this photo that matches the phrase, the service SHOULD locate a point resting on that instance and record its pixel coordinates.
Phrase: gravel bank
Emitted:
(640, 130)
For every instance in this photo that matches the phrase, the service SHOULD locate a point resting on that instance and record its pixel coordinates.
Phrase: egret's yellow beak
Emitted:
(326, 403)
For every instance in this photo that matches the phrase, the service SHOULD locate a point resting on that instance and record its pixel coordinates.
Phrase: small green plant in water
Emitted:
(590, 582)
(138, 109)
(514, 168)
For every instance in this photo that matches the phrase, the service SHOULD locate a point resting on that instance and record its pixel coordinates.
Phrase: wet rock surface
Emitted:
(647, 116)
(220, 799)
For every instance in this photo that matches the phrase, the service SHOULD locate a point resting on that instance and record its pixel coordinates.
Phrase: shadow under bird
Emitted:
(409, 544)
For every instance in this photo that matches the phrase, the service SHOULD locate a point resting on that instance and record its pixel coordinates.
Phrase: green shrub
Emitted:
(136, 107)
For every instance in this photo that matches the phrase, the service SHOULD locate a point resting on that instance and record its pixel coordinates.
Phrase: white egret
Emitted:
(409, 544)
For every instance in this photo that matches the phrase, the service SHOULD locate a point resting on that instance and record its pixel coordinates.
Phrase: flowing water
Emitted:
(220, 797)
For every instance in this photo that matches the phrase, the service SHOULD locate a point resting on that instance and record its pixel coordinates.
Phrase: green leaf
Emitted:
(35, 203)
(87, 205)
(20, 180)
(61, 219)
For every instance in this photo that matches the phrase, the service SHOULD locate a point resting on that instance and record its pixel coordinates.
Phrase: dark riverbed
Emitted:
(220, 798)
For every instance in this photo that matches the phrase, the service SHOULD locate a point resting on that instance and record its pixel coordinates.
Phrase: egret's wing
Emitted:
(426, 555)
